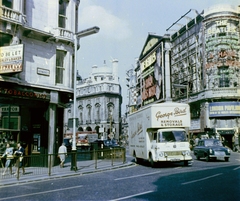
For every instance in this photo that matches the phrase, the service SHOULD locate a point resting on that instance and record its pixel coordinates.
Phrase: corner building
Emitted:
(98, 100)
(199, 64)
(36, 72)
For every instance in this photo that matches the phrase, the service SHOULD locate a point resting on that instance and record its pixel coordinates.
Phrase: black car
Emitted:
(211, 149)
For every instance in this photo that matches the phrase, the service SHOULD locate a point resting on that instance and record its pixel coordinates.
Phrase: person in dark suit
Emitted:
(20, 152)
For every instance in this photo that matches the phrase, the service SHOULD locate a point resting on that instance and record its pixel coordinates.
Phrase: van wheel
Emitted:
(185, 163)
(136, 159)
(152, 163)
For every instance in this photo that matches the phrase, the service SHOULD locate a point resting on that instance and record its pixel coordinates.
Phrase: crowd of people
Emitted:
(13, 158)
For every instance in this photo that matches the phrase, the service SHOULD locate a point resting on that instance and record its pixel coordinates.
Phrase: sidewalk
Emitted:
(84, 167)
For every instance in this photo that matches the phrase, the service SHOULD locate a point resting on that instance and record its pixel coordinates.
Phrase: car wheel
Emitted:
(198, 157)
(226, 159)
(207, 158)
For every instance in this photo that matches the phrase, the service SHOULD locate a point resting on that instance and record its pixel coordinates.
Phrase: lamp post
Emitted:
(77, 36)
(182, 86)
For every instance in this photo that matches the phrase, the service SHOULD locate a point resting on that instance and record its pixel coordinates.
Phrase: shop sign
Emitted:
(24, 93)
(42, 71)
(12, 109)
(11, 59)
(148, 61)
(223, 109)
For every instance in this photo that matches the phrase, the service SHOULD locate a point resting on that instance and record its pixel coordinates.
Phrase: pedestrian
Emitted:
(9, 158)
(235, 142)
(62, 153)
(20, 153)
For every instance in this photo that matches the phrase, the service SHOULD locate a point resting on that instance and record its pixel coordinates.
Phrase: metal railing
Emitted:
(49, 164)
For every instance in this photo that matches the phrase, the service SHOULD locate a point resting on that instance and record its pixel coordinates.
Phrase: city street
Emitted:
(217, 180)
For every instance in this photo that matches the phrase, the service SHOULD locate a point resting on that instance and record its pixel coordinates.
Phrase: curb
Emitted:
(34, 178)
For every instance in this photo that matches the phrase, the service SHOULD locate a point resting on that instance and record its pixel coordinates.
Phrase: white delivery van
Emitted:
(158, 133)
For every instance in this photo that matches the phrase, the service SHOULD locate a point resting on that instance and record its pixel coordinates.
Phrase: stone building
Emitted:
(99, 102)
(36, 73)
(199, 64)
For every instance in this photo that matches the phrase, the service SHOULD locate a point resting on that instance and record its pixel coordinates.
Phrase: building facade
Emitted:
(199, 64)
(37, 57)
(99, 102)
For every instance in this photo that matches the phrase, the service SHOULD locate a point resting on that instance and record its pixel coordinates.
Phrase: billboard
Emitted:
(11, 59)
(224, 109)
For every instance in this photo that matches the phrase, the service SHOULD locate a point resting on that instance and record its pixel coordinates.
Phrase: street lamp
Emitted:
(77, 36)
(181, 86)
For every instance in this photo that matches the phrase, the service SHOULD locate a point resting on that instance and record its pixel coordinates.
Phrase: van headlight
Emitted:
(161, 154)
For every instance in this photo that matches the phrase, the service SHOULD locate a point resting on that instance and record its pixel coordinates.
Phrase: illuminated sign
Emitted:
(11, 59)
(221, 109)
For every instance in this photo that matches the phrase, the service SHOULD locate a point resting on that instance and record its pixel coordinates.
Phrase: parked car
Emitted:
(211, 149)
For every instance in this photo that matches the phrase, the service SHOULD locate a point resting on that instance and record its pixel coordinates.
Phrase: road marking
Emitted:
(140, 175)
(201, 179)
(26, 195)
(236, 168)
(131, 196)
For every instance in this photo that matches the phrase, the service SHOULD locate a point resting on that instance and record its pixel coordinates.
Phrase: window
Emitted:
(60, 56)
(62, 14)
(223, 76)
(7, 3)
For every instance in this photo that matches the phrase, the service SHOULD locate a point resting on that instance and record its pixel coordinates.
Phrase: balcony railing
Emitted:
(97, 121)
(10, 14)
(63, 33)
(88, 121)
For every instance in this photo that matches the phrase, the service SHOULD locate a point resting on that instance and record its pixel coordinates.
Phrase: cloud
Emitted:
(111, 26)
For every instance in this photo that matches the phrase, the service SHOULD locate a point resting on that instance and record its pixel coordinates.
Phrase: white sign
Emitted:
(11, 59)
(6, 109)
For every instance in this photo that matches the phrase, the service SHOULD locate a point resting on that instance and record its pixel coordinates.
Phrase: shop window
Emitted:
(60, 57)
(62, 13)
(7, 3)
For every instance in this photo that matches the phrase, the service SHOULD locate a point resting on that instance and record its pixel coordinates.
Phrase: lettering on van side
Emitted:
(171, 123)
(138, 131)
(176, 112)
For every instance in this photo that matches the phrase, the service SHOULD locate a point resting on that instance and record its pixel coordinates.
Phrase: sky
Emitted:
(124, 27)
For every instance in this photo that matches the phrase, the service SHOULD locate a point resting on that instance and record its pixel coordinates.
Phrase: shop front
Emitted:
(27, 115)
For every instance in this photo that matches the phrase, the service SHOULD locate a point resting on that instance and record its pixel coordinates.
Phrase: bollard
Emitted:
(95, 158)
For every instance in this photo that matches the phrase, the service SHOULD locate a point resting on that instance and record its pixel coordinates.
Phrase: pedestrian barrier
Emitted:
(49, 164)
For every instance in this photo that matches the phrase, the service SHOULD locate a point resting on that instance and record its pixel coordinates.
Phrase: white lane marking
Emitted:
(140, 175)
(236, 168)
(131, 196)
(201, 179)
(30, 194)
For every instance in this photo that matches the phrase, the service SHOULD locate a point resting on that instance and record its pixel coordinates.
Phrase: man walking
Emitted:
(20, 153)
(62, 153)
